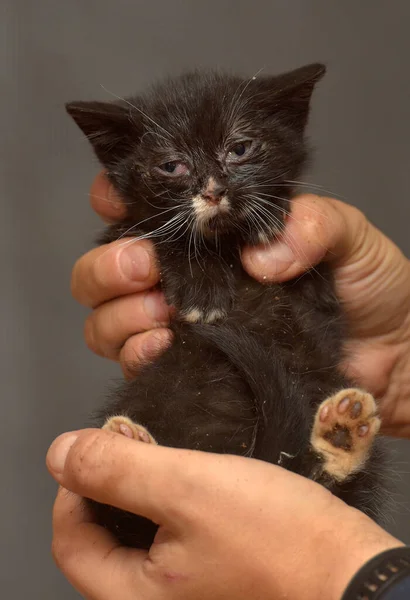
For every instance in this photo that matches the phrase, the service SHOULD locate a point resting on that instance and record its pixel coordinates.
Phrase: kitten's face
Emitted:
(221, 161)
(206, 155)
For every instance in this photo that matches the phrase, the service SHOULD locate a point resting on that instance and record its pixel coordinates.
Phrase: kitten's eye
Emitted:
(239, 151)
(174, 168)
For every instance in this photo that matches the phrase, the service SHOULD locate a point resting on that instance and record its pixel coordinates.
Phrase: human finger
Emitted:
(318, 228)
(143, 348)
(105, 200)
(114, 270)
(110, 325)
(92, 560)
(144, 479)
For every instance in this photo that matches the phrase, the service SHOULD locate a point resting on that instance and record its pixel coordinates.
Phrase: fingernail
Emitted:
(135, 262)
(156, 308)
(58, 451)
(156, 343)
(272, 260)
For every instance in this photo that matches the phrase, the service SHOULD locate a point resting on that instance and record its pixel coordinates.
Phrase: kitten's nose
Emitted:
(214, 191)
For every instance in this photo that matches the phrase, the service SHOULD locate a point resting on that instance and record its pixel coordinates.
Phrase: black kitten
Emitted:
(205, 163)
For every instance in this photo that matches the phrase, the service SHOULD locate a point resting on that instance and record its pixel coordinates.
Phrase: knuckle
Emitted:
(105, 329)
(76, 277)
(94, 275)
(132, 355)
(90, 275)
(90, 335)
(356, 214)
(105, 267)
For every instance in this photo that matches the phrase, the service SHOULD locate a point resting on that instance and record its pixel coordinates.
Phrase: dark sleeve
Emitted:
(384, 577)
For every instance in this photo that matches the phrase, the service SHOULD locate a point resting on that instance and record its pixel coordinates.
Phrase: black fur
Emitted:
(250, 383)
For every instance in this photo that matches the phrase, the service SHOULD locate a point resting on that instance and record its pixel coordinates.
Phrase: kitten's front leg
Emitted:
(344, 428)
(202, 289)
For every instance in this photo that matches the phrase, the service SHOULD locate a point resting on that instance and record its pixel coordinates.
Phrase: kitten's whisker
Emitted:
(167, 234)
(314, 210)
(239, 227)
(316, 188)
(253, 218)
(137, 109)
(151, 132)
(314, 185)
(294, 245)
(297, 249)
(185, 222)
(272, 219)
(149, 219)
(189, 252)
(165, 228)
(258, 222)
(286, 211)
(174, 206)
(193, 238)
(264, 182)
(236, 99)
(164, 191)
(105, 199)
(196, 249)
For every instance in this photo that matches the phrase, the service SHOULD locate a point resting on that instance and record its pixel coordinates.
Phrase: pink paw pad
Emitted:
(347, 403)
(346, 417)
(324, 413)
(129, 429)
(344, 428)
(125, 430)
(143, 436)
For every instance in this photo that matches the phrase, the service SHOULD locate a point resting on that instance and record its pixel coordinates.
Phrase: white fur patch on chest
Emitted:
(214, 315)
(196, 315)
(193, 316)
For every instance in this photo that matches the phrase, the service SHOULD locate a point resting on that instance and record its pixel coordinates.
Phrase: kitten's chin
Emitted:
(218, 225)
(225, 226)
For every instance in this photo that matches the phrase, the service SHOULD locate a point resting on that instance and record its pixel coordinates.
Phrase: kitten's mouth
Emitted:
(211, 216)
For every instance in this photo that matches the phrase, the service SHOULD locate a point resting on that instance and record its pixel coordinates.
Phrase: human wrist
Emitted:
(358, 541)
(381, 575)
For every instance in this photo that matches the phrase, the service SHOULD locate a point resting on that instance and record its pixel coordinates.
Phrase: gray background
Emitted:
(58, 50)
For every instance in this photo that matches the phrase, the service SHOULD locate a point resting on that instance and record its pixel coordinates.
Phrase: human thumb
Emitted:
(316, 229)
(141, 478)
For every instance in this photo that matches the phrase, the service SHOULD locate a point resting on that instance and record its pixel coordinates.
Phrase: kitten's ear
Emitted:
(107, 126)
(293, 91)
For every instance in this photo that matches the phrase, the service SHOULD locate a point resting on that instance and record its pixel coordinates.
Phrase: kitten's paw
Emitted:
(197, 315)
(125, 426)
(343, 432)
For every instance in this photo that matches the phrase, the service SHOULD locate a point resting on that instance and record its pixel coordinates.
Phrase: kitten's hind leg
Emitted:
(127, 427)
(343, 431)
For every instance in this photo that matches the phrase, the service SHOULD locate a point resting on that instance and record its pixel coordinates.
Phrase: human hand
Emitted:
(372, 279)
(129, 318)
(229, 527)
